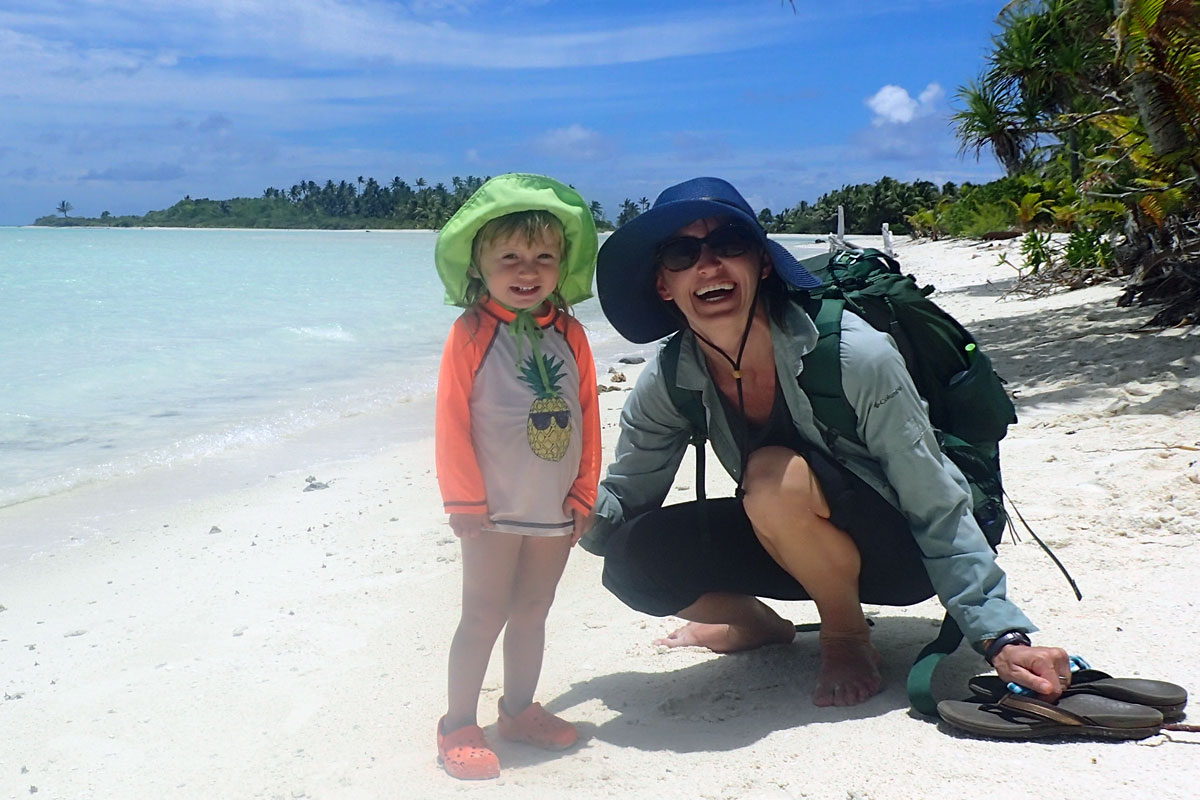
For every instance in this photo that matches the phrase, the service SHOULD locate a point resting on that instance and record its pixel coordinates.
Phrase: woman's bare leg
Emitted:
(489, 567)
(790, 516)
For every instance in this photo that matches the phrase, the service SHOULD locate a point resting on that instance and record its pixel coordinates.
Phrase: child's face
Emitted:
(519, 273)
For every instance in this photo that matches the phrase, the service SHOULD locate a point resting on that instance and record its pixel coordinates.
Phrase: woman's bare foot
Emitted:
(849, 670)
(725, 638)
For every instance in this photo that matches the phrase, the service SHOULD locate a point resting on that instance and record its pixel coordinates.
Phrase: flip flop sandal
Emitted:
(1015, 717)
(465, 753)
(1168, 698)
(536, 726)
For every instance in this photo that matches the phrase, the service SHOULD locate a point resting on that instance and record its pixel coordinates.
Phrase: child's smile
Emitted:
(521, 273)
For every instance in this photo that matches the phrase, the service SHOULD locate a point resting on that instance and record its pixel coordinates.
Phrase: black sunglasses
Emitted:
(682, 252)
(541, 419)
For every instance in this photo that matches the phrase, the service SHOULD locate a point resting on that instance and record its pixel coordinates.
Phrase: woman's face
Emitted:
(717, 290)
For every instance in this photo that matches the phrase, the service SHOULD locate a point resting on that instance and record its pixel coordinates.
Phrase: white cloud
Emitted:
(337, 33)
(932, 95)
(575, 142)
(894, 105)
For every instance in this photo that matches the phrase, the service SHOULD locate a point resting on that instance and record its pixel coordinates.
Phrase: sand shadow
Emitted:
(996, 288)
(730, 702)
(1091, 350)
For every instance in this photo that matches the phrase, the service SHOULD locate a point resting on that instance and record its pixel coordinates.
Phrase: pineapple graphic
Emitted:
(549, 425)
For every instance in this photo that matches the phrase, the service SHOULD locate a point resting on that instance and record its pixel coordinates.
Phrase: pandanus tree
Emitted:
(1049, 59)
(1057, 64)
(1112, 89)
(989, 119)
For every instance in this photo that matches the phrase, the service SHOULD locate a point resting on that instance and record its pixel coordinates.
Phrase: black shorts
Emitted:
(662, 561)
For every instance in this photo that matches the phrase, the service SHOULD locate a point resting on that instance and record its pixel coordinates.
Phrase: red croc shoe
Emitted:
(538, 727)
(465, 754)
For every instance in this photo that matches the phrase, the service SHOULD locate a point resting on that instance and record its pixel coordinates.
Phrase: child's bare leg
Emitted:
(489, 567)
(540, 566)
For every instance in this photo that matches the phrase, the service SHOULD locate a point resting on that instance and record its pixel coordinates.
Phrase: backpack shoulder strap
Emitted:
(687, 402)
(920, 676)
(821, 378)
(892, 264)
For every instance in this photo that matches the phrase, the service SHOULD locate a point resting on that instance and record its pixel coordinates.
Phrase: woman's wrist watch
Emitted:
(1004, 640)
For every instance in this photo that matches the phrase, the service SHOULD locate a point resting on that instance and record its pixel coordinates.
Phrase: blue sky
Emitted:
(128, 105)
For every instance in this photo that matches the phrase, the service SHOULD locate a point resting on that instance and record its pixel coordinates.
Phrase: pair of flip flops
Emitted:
(1094, 705)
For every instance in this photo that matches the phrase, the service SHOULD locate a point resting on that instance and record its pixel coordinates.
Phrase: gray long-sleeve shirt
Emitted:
(901, 459)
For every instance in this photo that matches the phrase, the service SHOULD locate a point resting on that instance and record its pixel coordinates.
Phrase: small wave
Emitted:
(329, 333)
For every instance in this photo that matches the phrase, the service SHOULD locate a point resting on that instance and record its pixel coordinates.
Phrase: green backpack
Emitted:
(968, 404)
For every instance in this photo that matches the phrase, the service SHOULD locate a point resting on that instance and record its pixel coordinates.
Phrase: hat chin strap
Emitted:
(736, 363)
(524, 328)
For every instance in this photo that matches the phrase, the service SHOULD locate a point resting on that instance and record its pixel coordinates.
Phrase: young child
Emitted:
(518, 444)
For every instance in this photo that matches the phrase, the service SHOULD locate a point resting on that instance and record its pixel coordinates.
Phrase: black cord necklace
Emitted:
(743, 426)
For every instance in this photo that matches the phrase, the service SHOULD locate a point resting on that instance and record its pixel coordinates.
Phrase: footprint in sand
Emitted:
(716, 707)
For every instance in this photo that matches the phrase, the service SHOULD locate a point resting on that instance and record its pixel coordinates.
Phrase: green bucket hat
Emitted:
(508, 194)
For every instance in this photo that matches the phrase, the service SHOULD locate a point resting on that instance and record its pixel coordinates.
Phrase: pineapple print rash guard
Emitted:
(507, 444)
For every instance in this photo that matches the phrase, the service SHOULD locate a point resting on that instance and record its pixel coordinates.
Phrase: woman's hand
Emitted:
(468, 526)
(1045, 670)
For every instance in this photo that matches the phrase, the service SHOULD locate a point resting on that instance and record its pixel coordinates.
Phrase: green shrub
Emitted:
(989, 217)
(1035, 248)
(1088, 251)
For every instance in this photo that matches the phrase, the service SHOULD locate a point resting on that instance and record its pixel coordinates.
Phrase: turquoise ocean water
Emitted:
(126, 350)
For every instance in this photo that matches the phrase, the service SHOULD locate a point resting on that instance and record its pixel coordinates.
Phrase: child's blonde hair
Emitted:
(533, 226)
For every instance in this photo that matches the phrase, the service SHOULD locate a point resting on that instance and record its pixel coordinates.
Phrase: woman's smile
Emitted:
(715, 292)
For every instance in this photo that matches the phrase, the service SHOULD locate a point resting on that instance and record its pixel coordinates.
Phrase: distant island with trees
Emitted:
(367, 203)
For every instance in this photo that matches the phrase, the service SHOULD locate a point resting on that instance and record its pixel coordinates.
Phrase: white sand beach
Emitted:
(280, 643)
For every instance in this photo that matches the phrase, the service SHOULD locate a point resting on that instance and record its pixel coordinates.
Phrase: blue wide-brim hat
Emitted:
(625, 268)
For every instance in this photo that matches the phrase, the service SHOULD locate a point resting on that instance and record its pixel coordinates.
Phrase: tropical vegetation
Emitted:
(364, 203)
(1093, 109)
(866, 206)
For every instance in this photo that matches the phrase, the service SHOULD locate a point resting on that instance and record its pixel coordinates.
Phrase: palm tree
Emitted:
(629, 211)
(1052, 61)
(64, 207)
(990, 120)
(1158, 41)
(597, 212)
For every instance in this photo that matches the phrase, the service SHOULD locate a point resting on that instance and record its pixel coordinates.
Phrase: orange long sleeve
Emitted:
(583, 491)
(459, 476)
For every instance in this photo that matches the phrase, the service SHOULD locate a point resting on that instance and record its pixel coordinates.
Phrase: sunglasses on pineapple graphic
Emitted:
(541, 419)
(547, 441)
